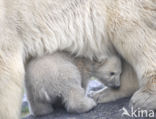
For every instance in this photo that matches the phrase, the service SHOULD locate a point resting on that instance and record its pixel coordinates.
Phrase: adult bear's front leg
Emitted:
(11, 83)
(145, 68)
(138, 48)
(145, 97)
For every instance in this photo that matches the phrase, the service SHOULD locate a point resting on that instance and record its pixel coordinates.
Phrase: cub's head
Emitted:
(109, 71)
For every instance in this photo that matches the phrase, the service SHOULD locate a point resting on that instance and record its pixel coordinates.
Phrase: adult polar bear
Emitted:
(93, 28)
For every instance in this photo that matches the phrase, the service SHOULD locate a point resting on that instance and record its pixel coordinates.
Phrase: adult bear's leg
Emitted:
(11, 81)
(138, 47)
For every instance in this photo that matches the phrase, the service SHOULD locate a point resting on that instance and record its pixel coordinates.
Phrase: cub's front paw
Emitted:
(104, 95)
(91, 94)
(95, 94)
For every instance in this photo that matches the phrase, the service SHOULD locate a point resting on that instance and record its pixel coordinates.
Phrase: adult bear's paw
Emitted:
(144, 99)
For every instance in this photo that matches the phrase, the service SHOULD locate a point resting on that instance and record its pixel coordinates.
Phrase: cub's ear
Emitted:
(98, 64)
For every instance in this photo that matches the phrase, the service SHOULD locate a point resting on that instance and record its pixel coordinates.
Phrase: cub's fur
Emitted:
(60, 76)
(90, 28)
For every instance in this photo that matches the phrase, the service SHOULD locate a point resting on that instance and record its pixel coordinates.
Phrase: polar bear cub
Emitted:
(61, 76)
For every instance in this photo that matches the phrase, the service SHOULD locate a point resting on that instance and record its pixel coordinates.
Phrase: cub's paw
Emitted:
(95, 94)
(91, 103)
(143, 99)
(103, 96)
(81, 105)
(87, 105)
(91, 94)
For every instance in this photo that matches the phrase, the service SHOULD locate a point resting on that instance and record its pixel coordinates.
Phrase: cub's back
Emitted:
(52, 70)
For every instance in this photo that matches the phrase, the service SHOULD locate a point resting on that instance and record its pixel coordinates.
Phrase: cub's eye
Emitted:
(112, 73)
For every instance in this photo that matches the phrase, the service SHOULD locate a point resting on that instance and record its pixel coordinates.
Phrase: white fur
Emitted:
(92, 28)
(55, 76)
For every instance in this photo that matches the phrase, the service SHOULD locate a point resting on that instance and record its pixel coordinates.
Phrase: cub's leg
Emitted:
(128, 86)
(39, 100)
(11, 82)
(37, 83)
(39, 108)
(77, 102)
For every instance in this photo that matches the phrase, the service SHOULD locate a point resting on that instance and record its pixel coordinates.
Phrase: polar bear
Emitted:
(60, 76)
(90, 28)
(128, 85)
